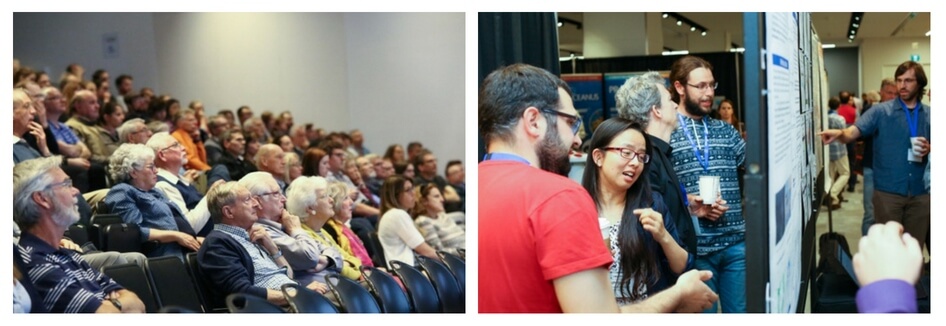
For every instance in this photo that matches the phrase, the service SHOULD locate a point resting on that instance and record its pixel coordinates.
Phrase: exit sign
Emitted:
(915, 57)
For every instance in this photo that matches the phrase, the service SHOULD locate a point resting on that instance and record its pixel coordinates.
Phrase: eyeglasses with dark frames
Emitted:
(704, 86)
(573, 121)
(629, 154)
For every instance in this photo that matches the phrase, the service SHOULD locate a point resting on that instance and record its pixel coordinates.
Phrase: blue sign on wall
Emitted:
(588, 99)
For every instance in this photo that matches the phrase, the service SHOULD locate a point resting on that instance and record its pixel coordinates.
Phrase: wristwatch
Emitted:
(118, 304)
(276, 255)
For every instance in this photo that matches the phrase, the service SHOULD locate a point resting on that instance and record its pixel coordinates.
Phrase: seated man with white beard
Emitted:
(44, 207)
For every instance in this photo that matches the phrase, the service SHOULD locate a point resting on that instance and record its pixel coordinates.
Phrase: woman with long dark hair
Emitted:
(648, 254)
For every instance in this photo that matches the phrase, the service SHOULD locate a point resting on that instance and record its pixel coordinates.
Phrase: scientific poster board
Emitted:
(786, 126)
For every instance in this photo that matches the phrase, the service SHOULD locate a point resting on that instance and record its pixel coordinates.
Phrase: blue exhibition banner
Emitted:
(587, 96)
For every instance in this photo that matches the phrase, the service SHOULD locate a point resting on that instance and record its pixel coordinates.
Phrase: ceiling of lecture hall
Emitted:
(832, 27)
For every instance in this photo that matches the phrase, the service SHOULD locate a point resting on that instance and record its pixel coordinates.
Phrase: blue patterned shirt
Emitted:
(63, 133)
(837, 149)
(266, 273)
(65, 282)
(727, 151)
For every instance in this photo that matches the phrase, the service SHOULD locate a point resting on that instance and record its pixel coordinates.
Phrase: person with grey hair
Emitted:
(179, 188)
(135, 199)
(308, 198)
(309, 259)
(239, 256)
(134, 131)
(256, 129)
(269, 159)
(300, 141)
(84, 108)
(646, 100)
(44, 205)
(216, 125)
(186, 125)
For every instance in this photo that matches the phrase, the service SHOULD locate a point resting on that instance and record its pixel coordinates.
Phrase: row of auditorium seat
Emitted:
(166, 284)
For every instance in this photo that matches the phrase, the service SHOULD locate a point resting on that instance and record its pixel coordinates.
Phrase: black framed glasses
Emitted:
(704, 86)
(573, 121)
(629, 154)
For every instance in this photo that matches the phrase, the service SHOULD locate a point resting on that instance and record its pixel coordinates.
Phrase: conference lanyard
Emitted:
(911, 121)
(702, 153)
(505, 157)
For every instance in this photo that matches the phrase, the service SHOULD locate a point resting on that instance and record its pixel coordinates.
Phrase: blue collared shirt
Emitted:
(63, 133)
(886, 123)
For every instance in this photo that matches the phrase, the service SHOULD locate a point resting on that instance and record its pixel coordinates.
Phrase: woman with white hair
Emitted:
(307, 198)
(396, 230)
(336, 227)
(135, 199)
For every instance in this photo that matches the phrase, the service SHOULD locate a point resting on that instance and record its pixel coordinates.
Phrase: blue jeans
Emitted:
(729, 277)
(868, 200)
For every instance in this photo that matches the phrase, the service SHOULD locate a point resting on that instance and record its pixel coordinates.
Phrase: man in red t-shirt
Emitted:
(847, 109)
(540, 247)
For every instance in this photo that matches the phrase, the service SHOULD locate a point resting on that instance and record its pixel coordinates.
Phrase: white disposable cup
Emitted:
(709, 188)
(916, 145)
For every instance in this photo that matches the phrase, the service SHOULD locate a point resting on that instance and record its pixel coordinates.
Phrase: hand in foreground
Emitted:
(710, 212)
(317, 286)
(830, 135)
(652, 222)
(695, 295)
(888, 253)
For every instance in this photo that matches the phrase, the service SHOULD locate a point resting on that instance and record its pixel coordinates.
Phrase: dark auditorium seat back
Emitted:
(445, 283)
(423, 296)
(352, 297)
(169, 274)
(386, 290)
(132, 277)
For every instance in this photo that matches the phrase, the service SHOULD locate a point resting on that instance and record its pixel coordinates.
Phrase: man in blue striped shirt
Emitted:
(44, 207)
(703, 146)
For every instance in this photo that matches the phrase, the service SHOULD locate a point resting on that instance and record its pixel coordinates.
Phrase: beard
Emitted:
(65, 214)
(694, 108)
(911, 96)
(553, 153)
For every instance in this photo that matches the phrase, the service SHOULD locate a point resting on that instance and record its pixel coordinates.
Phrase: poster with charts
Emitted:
(787, 157)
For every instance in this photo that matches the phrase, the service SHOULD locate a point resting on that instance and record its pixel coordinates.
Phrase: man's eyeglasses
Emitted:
(175, 145)
(704, 86)
(573, 121)
(629, 154)
(151, 167)
(64, 184)
(274, 194)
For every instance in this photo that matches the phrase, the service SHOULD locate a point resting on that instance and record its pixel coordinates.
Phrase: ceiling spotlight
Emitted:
(857, 17)
(666, 15)
(679, 23)
(851, 37)
(928, 33)
(703, 33)
(855, 25)
(560, 24)
(692, 29)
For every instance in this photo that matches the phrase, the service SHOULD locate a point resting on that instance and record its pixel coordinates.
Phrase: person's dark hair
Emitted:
(509, 91)
(735, 118)
(451, 164)
(108, 109)
(834, 103)
(400, 167)
(680, 72)
(97, 77)
(391, 190)
(389, 153)
(167, 108)
(330, 145)
(310, 161)
(921, 79)
(157, 106)
(845, 97)
(419, 159)
(120, 79)
(638, 265)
